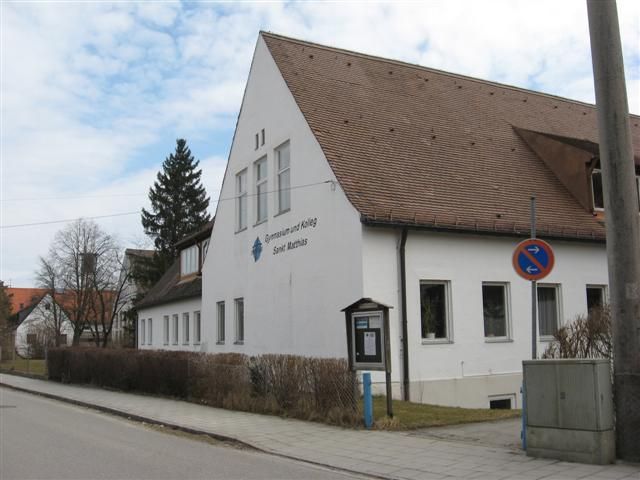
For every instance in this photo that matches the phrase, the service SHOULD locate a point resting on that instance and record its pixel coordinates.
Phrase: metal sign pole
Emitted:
(534, 299)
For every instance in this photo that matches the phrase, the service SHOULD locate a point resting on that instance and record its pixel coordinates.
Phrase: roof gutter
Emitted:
(403, 293)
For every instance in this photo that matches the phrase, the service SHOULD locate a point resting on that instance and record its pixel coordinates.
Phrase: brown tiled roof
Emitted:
(413, 145)
(21, 298)
(202, 233)
(170, 288)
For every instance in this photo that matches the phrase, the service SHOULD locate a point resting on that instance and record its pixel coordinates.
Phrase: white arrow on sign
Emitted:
(531, 269)
(533, 249)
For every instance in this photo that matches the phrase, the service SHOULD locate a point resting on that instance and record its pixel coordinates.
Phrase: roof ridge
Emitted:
(428, 69)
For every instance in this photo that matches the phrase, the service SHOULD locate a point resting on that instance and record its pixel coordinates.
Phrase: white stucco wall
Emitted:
(157, 314)
(292, 299)
(468, 370)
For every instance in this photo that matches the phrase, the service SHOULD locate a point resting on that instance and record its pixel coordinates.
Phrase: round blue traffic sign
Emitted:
(533, 259)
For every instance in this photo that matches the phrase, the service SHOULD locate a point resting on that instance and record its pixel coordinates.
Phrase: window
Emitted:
(284, 178)
(262, 137)
(142, 332)
(175, 329)
(434, 310)
(150, 331)
(261, 189)
(596, 297)
(189, 260)
(220, 317)
(239, 320)
(185, 328)
(32, 338)
(204, 249)
(166, 329)
(197, 328)
(548, 310)
(495, 309)
(47, 306)
(62, 339)
(257, 141)
(241, 200)
(597, 189)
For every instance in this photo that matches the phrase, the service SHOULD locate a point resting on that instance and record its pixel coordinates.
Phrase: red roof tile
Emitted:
(414, 145)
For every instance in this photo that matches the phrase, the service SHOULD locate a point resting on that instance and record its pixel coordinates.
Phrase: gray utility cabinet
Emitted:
(569, 410)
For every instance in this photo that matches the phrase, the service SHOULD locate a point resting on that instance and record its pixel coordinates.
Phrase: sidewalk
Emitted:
(394, 455)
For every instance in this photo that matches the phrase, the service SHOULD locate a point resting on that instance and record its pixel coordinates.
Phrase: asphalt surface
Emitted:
(46, 439)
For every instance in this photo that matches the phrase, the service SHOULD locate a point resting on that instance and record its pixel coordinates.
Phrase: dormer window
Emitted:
(189, 260)
(597, 190)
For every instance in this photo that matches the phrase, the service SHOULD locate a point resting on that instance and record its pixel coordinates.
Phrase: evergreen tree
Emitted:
(179, 207)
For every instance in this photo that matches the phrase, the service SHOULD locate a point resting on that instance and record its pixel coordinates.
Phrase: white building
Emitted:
(352, 176)
(37, 325)
(169, 314)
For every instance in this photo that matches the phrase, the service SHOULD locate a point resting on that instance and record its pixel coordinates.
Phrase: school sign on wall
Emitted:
(285, 239)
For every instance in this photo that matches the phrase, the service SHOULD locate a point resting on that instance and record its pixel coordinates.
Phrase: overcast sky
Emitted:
(94, 95)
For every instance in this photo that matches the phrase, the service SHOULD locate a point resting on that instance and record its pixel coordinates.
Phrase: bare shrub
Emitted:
(586, 337)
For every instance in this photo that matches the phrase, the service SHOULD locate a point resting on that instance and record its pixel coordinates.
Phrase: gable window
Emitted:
(185, 328)
(262, 137)
(284, 178)
(197, 328)
(261, 189)
(221, 322)
(548, 310)
(189, 260)
(166, 329)
(239, 304)
(595, 296)
(495, 309)
(435, 316)
(175, 329)
(241, 200)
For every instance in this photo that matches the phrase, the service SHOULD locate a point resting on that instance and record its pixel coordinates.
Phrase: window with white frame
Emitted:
(548, 309)
(150, 331)
(260, 169)
(185, 328)
(241, 200)
(239, 304)
(283, 161)
(189, 260)
(142, 331)
(197, 328)
(166, 329)
(175, 329)
(204, 249)
(435, 311)
(597, 191)
(495, 310)
(596, 297)
(220, 322)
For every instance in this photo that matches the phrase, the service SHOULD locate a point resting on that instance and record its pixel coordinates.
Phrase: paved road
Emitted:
(46, 439)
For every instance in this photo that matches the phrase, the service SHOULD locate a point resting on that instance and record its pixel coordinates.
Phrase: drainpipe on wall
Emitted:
(403, 293)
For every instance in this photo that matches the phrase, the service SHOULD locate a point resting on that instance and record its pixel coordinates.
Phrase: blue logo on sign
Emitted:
(256, 251)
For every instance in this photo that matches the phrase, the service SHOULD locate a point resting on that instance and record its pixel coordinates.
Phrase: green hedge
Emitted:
(301, 387)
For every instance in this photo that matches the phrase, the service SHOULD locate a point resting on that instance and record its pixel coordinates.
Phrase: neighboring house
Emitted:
(169, 314)
(123, 330)
(353, 176)
(19, 299)
(37, 326)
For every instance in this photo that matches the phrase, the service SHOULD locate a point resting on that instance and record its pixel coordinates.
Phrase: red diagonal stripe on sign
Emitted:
(533, 259)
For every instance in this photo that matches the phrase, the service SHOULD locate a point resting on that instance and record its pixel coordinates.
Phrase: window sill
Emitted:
(220, 342)
(187, 344)
(282, 212)
(241, 230)
(546, 338)
(239, 342)
(498, 340)
(436, 341)
(259, 223)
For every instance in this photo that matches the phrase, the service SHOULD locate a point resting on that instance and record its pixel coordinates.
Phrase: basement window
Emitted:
(505, 402)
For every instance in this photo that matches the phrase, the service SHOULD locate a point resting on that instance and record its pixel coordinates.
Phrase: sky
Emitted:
(93, 95)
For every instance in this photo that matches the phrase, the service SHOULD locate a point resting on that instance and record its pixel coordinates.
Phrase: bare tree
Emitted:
(84, 264)
(52, 311)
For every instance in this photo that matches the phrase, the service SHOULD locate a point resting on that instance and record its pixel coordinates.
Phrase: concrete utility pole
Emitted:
(622, 220)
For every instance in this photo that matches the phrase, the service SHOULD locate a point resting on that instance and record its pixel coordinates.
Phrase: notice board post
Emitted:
(368, 341)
